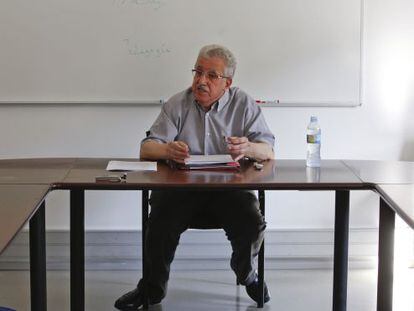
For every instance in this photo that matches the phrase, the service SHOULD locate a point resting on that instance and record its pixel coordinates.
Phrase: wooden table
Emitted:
(24, 184)
(393, 181)
(18, 204)
(276, 175)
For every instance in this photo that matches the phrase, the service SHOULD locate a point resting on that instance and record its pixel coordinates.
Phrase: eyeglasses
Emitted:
(210, 75)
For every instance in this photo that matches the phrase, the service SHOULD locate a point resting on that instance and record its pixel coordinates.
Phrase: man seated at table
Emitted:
(196, 121)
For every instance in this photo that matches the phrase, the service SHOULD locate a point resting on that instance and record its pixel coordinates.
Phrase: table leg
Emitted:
(144, 230)
(385, 257)
(341, 250)
(77, 250)
(260, 303)
(38, 300)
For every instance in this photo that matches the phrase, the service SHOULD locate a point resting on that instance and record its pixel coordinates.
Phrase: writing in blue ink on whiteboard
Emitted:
(137, 50)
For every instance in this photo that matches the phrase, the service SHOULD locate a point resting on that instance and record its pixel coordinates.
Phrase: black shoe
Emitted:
(134, 299)
(253, 291)
(130, 301)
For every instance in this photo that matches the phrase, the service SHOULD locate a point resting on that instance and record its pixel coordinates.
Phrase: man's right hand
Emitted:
(178, 151)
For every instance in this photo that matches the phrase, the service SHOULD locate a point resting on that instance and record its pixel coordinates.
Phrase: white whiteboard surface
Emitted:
(306, 52)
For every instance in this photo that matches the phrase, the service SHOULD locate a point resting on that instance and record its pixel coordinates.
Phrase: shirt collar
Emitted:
(219, 104)
(223, 100)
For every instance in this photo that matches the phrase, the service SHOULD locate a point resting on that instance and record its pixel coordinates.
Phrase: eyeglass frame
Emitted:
(197, 73)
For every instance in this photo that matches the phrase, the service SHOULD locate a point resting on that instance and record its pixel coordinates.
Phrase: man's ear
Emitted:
(228, 82)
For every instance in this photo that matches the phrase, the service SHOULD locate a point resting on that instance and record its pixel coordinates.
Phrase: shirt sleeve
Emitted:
(256, 128)
(163, 130)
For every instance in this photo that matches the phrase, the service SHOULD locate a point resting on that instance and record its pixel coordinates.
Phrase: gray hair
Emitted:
(215, 50)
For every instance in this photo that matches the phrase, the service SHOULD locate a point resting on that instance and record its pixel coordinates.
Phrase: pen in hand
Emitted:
(225, 140)
(237, 146)
(178, 151)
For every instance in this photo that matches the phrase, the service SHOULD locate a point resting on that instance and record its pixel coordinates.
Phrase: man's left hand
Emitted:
(238, 147)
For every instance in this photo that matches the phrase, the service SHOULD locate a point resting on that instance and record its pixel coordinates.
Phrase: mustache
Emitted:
(202, 87)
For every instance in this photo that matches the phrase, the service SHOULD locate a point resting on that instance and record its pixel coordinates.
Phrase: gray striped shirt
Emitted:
(234, 114)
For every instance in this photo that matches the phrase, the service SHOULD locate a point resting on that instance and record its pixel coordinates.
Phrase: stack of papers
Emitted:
(131, 166)
(216, 161)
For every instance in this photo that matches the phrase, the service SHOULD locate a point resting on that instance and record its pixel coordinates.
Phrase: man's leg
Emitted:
(169, 217)
(244, 225)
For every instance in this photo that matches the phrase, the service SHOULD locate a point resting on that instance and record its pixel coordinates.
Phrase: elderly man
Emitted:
(195, 122)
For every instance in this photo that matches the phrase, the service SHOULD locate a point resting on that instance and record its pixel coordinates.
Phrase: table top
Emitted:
(43, 171)
(401, 198)
(276, 174)
(382, 172)
(17, 205)
(24, 183)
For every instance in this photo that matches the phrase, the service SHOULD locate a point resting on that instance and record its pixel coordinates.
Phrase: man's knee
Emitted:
(246, 231)
(255, 229)
(250, 220)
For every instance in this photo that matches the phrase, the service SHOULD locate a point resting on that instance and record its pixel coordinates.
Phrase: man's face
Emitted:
(208, 90)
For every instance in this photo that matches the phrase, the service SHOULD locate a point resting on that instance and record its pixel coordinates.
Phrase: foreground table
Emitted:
(18, 204)
(25, 183)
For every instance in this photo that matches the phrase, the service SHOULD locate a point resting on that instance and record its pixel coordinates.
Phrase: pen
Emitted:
(226, 140)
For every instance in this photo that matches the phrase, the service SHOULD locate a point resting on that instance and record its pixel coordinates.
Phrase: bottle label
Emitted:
(313, 139)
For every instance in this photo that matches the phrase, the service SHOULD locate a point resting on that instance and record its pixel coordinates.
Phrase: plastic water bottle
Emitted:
(313, 139)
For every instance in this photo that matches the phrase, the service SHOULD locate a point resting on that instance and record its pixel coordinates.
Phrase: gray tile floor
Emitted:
(291, 290)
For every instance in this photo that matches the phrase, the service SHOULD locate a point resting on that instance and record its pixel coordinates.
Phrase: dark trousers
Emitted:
(172, 212)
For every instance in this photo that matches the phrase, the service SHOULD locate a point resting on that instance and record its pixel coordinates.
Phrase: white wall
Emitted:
(379, 129)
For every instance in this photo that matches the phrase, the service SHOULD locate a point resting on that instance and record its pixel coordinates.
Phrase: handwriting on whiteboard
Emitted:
(154, 4)
(136, 50)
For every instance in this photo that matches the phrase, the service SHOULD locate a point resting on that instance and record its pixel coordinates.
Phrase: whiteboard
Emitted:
(294, 51)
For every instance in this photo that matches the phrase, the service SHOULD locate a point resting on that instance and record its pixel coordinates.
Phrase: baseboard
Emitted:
(198, 250)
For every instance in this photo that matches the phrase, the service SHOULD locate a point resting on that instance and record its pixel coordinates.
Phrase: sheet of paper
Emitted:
(131, 166)
(209, 159)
